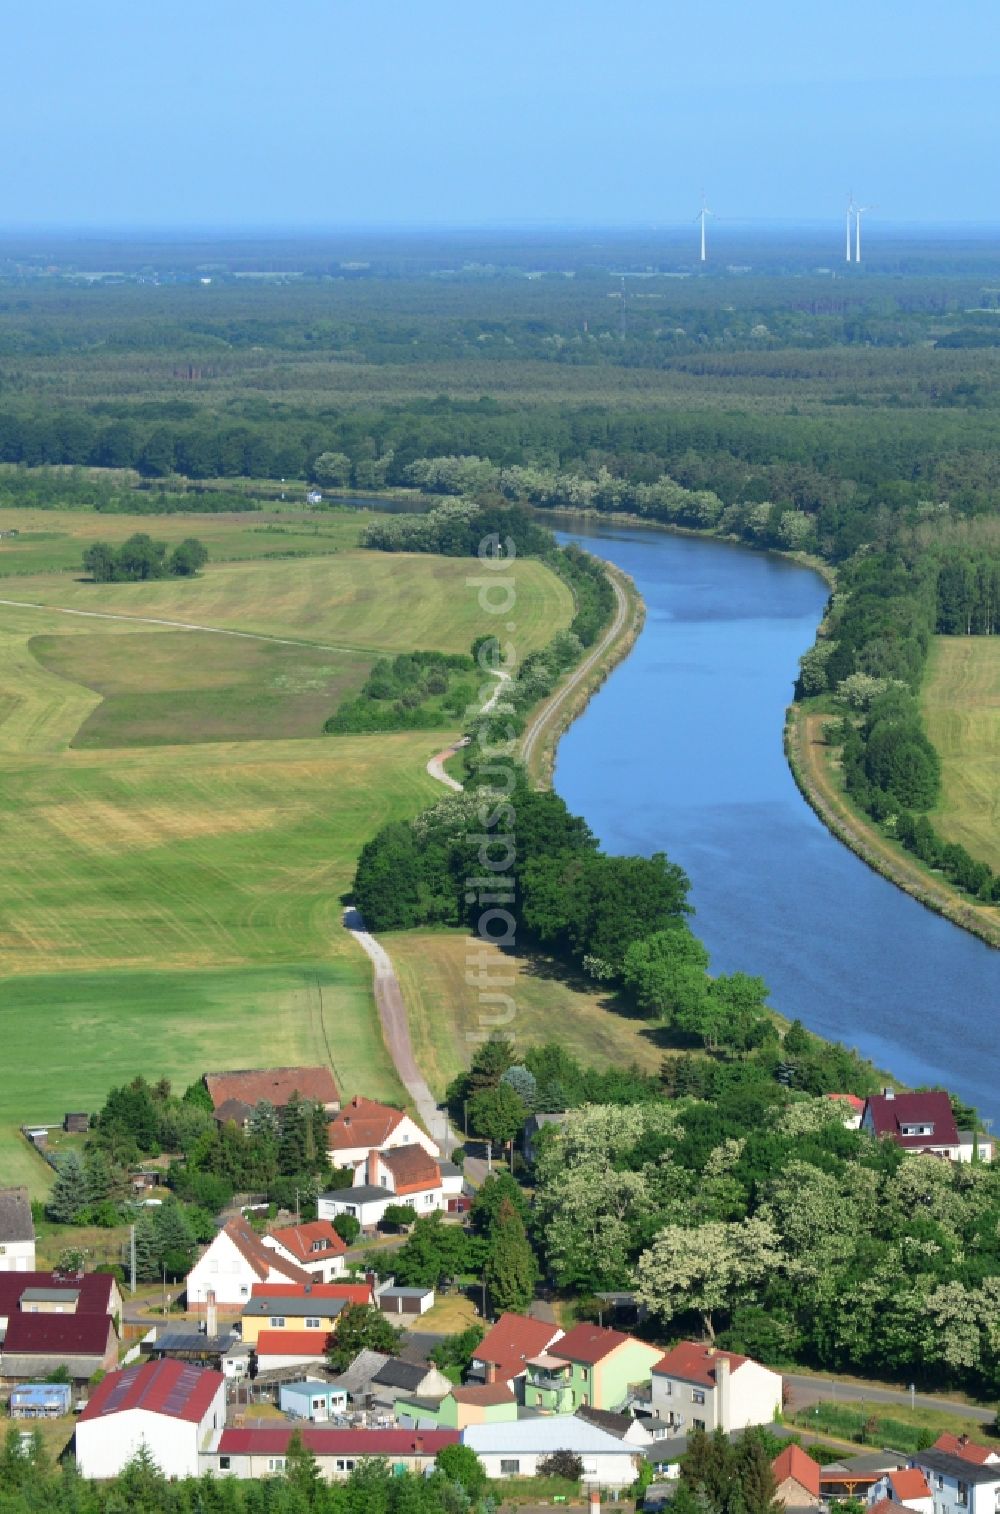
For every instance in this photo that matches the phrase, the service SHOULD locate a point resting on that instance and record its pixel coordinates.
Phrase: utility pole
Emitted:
(131, 1258)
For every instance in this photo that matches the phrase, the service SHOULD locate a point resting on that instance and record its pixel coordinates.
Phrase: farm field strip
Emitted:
(961, 703)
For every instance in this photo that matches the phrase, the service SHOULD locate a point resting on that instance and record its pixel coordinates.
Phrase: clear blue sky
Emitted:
(273, 113)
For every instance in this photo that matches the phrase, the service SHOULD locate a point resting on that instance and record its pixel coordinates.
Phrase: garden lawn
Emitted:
(961, 704)
(447, 1023)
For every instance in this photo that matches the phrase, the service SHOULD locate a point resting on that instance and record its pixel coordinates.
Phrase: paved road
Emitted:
(545, 714)
(809, 1390)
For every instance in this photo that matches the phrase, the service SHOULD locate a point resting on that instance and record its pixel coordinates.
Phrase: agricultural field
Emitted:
(444, 1010)
(177, 837)
(961, 703)
(54, 541)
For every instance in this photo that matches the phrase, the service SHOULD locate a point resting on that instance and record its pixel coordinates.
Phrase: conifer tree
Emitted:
(511, 1270)
(69, 1191)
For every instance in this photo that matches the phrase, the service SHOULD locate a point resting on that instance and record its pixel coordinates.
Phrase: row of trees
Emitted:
(140, 557)
(414, 691)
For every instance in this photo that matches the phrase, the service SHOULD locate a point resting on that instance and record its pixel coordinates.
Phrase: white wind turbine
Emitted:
(703, 213)
(859, 212)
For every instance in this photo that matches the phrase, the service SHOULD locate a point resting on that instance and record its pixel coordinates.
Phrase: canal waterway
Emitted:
(681, 751)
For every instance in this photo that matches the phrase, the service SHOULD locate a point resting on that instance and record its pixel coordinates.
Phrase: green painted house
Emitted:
(478, 1404)
(589, 1366)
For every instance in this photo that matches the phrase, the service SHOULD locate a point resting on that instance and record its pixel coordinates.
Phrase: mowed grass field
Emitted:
(448, 1021)
(168, 907)
(961, 703)
(55, 540)
(369, 601)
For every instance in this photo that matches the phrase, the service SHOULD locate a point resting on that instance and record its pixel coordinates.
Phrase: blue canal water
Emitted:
(681, 751)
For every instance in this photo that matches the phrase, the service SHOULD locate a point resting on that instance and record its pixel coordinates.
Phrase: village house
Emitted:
(640, 1432)
(363, 1126)
(514, 1449)
(171, 1408)
(589, 1365)
(53, 1320)
(234, 1263)
(235, 1095)
(907, 1488)
(396, 1379)
(969, 1450)
(263, 1452)
(851, 1108)
(923, 1123)
(958, 1484)
(503, 1353)
(289, 1307)
(796, 1479)
(315, 1247)
(696, 1387)
(404, 1175)
(475, 1404)
(17, 1231)
(313, 1399)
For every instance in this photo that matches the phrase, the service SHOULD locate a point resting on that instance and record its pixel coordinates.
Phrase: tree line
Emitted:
(140, 557)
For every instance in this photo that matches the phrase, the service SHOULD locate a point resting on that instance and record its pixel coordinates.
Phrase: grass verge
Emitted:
(961, 706)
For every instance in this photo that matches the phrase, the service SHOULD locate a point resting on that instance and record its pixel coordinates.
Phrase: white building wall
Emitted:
(322, 1271)
(17, 1256)
(406, 1133)
(607, 1469)
(106, 1444)
(224, 1270)
(754, 1396)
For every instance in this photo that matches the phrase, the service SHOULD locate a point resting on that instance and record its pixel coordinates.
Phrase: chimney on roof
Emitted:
(490, 1374)
(722, 1382)
(889, 1093)
(963, 1439)
(418, 1443)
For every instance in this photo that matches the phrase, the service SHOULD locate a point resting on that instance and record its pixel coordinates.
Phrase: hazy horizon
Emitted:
(333, 114)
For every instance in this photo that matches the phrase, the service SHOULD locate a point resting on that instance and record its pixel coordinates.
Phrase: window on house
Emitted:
(319, 1245)
(345, 1464)
(585, 1373)
(278, 1322)
(352, 1210)
(509, 1466)
(699, 1424)
(312, 1324)
(962, 1496)
(697, 1396)
(668, 1390)
(244, 1290)
(275, 1463)
(224, 1463)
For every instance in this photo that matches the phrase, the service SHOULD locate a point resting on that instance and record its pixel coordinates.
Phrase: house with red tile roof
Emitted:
(923, 1124)
(235, 1095)
(796, 1478)
(695, 1386)
(969, 1450)
(171, 1407)
(314, 1246)
(504, 1351)
(907, 1488)
(233, 1263)
(589, 1366)
(851, 1107)
(402, 1175)
(363, 1126)
(263, 1452)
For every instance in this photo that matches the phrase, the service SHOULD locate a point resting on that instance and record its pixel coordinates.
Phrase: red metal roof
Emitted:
(794, 1463)
(512, 1340)
(58, 1334)
(323, 1442)
(177, 1389)
(354, 1293)
(589, 1343)
(694, 1362)
(292, 1343)
(889, 1114)
(94, 1289)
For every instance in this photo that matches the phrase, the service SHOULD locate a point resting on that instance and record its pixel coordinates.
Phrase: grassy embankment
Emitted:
(961, 704)
(169, 905)
(815, 765)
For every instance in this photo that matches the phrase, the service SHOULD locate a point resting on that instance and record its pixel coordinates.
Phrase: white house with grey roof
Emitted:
(17, 1231)
(515, 1447)
(959, 1486)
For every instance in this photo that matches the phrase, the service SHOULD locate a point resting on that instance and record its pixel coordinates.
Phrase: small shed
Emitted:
(40, 1401)
(406, 1300)
(76, 1124)
(312, 1399)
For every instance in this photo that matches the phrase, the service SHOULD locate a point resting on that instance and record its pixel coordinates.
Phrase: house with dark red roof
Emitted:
(796, 1478)
(591, 1366)
(233, 1263)
(264, 1452)
(314, 1246)
(235, 1095)
(52, 1320)
(697, 1387)
(171, 1407)
(924, 1123)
